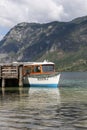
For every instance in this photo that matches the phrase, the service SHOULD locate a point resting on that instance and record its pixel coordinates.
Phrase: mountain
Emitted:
(64, 43)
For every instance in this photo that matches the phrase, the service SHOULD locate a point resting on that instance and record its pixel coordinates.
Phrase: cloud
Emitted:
(13, 12)
(73, 9)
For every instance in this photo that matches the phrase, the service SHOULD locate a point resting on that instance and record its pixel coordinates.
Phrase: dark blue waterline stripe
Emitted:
(42, 85)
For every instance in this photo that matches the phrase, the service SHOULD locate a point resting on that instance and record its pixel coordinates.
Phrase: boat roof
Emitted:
(45, 62)
(38, 63)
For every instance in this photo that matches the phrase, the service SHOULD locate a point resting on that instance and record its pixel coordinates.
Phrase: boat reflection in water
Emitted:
(25, 108)
(63, 108)
(44, 96)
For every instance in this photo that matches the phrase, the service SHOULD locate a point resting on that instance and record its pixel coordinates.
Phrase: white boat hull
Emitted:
(42, 81)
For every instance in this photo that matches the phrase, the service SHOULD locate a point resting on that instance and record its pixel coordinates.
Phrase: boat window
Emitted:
(36, 68)
(48, 68)
(28, 71)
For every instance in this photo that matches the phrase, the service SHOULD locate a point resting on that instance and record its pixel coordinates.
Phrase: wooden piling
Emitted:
(3, 82)
(20, 75)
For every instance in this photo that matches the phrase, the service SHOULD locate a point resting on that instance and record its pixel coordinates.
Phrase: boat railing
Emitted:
(43, 75)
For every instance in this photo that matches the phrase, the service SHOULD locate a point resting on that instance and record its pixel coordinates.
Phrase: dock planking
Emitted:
(11, 73)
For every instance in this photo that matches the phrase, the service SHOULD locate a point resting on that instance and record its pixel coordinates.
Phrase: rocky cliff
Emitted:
(64, 43)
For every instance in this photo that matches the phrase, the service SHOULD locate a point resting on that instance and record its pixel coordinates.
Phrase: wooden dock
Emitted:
(11, 74)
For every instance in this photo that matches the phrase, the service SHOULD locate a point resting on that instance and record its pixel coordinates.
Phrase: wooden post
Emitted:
(20, 75)
(3, 82)
(3, 91)
(0, 71)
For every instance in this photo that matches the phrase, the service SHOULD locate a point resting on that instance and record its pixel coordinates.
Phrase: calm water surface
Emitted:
(63, 108)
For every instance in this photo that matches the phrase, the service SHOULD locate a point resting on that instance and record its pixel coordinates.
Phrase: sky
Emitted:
(13, 12)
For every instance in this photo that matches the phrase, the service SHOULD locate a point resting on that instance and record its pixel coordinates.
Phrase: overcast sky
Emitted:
(13, 12)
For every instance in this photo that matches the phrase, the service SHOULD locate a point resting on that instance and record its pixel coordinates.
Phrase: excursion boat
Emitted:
(40, 74)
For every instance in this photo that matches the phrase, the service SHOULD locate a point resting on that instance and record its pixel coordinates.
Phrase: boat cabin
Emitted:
(38, 68)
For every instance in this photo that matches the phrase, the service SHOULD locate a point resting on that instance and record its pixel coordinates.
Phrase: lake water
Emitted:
(63, 108)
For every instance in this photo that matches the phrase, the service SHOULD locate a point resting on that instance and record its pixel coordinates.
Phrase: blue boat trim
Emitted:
(42, 85)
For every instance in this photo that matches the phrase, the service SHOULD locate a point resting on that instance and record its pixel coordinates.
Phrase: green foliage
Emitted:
(72, 61)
